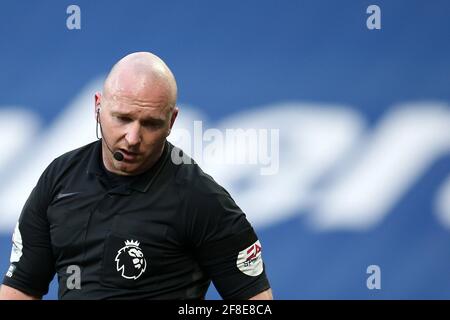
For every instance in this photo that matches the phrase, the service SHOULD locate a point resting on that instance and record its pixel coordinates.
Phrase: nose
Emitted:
(133, 135)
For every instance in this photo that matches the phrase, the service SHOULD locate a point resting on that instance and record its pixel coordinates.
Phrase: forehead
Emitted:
(139, 106)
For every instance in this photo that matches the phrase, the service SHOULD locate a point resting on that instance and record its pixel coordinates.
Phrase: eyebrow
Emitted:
(149, 120)
(153, 121)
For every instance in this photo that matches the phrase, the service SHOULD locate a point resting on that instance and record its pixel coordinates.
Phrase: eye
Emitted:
(151, 124)
(123, 119)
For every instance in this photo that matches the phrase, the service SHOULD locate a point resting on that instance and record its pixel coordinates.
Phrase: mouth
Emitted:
(129, 155)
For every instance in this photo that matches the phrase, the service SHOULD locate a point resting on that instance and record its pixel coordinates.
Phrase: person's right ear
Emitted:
(97, 104)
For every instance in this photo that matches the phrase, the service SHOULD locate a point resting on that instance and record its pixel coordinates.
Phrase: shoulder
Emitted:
(192, 179)
(51, 179)
(190, 176)
(76, 154)
(207, 212)
(61, 164)
(203, 194)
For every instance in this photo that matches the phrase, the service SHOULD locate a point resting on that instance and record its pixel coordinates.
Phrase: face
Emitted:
(136, 125)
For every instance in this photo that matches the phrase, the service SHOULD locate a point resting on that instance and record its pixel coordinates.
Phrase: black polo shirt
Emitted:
(164, 234)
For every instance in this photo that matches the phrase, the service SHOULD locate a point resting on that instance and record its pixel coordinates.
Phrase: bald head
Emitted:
(140, 74)
(136, 112)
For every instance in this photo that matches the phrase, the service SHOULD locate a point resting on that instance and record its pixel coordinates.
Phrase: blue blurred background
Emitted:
(362, 176)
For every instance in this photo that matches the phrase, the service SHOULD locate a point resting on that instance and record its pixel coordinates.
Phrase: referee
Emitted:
(119, 219)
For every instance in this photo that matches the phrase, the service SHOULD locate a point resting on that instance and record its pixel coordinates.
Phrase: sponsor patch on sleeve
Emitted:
(10, 272)
(249, 260)
(17, 245)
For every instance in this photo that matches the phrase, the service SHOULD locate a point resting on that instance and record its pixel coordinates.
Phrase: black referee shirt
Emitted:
(164, 234)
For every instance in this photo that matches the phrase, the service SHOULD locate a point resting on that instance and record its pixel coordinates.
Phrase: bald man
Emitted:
(118, 219)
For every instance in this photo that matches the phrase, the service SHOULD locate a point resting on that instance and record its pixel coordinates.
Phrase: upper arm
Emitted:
(32, 263)
(9, 293)
(226, 245)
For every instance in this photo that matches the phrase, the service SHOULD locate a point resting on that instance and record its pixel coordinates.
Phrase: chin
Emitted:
(127, 168)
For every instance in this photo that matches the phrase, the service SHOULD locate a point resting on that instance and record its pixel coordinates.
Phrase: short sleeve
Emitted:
(225, 243)
(32, 265)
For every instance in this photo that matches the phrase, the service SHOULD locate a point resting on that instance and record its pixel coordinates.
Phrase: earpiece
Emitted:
(117, 154)
(98, 114)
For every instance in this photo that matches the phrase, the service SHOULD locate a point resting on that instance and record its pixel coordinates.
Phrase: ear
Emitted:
(97, 103)
(174, 116)
(172, 120)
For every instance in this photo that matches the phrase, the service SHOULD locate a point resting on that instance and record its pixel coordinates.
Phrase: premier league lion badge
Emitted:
(130, 260)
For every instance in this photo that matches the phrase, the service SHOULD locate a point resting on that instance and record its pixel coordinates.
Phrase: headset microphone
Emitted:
(117, 155)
